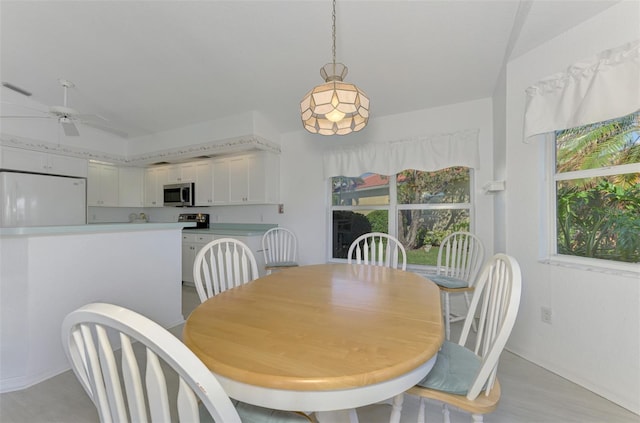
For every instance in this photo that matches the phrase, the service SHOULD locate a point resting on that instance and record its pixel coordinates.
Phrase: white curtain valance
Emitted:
(604, 87)
(426, 153)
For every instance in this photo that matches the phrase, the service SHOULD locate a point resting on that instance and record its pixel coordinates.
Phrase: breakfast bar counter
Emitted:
(46, 272)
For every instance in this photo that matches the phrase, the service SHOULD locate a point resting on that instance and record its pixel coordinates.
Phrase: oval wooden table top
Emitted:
(319, 327)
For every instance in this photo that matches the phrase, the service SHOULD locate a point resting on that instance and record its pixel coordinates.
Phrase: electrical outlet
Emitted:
(546, 314)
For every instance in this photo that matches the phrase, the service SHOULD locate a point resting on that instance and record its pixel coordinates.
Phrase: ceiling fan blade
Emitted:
(93, 118)
(22, 106)
(70, 129)
(105, 128)
(28, 117)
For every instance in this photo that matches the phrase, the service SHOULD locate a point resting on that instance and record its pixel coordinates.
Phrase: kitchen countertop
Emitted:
(234, 229)
(93, 228)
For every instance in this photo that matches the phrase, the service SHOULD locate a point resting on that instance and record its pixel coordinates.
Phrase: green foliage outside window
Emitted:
(417, 227)
(599, 216)
(428, 206)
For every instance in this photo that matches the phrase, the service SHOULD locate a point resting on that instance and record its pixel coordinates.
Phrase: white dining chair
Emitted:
(378, 249)
(460, 258)
(132, 384)
(280, 249)
(223, 264)
(465, 377)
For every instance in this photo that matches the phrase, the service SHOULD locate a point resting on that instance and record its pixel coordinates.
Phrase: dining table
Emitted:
(324, 338)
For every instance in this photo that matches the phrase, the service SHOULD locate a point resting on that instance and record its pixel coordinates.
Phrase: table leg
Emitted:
(396, 409)
(337, 416)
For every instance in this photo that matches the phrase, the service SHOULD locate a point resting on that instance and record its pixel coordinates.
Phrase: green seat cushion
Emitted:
(253, 414)
(448, 281)
(282, 264)
(455, 370)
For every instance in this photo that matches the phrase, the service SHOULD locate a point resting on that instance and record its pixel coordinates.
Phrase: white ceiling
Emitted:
(150, 66)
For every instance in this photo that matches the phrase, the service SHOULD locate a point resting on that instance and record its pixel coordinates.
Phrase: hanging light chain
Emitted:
(333, 32)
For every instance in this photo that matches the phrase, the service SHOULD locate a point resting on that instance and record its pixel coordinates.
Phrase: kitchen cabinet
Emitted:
(254, 178)
(239, 180)
(220, 170)
(102, 185)
(130, 186)
(35, 161)
(191, 244)
(179, 173)
(154, 180)
(203, 183)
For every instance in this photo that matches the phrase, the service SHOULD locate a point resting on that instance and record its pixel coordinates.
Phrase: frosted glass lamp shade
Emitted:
(334, 107)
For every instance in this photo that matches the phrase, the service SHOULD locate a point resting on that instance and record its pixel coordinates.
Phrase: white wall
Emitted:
(594, 339)
(215, 130)
(304, 191)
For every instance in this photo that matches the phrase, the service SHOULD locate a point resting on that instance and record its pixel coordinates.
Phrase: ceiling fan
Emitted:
(66, 116)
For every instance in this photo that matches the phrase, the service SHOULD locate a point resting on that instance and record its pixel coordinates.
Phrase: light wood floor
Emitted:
(530, 394)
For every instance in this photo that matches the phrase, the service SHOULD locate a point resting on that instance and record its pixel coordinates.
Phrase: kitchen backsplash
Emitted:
(223, 214)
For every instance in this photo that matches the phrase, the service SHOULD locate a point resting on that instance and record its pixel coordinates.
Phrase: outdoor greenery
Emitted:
(599, 217)
(379, 220)
(419, 227)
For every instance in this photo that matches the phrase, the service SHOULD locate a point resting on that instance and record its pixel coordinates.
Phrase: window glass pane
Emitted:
(443, 186)
(369, 189)
(421, 231)
(600, 217)
(349, 225)
(609, 143)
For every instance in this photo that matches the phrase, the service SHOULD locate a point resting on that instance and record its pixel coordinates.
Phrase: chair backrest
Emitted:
(223, 264)
(378, 249)
(495, 303)
(461, 256)
(114, 381)
(279, 245)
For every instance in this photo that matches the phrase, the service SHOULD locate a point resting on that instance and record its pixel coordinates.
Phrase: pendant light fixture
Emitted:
(334, 107)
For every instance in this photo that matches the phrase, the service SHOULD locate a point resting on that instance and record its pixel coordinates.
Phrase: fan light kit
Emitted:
(334, 107)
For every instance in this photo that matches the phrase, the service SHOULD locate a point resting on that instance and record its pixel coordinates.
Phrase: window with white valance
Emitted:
(424, 153)
(603, 87)
(417, 190)
(590, 115)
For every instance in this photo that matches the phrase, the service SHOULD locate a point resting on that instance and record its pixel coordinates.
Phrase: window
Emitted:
(597, 190)
(419, 208)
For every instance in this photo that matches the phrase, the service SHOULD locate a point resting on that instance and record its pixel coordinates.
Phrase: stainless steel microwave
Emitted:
(179, 195)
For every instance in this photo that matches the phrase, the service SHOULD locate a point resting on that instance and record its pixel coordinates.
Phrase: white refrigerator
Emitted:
(42, 200)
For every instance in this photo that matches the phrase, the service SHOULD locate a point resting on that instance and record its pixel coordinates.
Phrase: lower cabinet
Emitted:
(193, 242)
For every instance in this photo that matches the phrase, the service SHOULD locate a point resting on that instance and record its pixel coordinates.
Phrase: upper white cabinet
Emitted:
(102, 185)
(130, 186)
(254, 178)
(203, 183)
(35, 161)
(154, 180)
(181, 173)
(220, 181)
(239, 179)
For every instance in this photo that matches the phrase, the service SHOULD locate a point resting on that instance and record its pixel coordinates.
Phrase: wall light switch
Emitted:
(281, 208)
